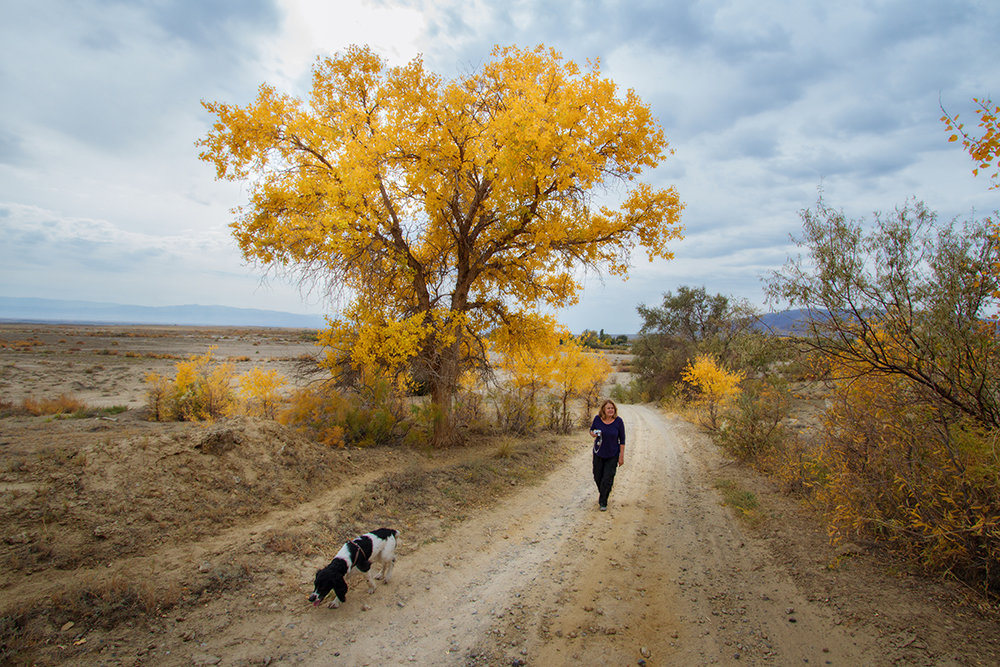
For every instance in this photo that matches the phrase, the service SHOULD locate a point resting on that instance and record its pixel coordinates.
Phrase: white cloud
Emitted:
(764, 102)
(312, 28)
(48, 255)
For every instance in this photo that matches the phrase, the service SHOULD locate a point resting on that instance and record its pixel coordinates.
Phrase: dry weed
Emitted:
(62, 404)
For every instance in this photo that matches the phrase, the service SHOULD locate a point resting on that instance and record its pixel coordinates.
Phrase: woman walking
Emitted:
(608, 430)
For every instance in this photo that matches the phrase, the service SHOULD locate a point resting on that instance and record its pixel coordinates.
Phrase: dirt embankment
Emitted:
(126, 543)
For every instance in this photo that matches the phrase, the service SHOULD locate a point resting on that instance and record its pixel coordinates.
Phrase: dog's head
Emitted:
(330, 578)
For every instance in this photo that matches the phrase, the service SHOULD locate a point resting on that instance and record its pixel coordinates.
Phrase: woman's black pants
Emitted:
(604, 477)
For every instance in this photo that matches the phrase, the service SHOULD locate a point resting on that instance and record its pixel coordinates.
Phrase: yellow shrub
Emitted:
(158, 397)
(201, 390)
(912, 474)
(716, 386)
(317, 412)
(63, 404)
(260, 392)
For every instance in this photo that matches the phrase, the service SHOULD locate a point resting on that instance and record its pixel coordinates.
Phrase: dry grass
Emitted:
(508, 447)
(62, 404)
(743, 503)
(11, 409)
(104, 602)
(20, 345)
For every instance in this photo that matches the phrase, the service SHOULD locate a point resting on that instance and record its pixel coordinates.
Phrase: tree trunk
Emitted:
(444, 385)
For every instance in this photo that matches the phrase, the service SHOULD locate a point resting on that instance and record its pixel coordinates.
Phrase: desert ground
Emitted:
(130, 542)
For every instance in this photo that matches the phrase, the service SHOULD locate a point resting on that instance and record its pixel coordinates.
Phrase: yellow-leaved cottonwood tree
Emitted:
(441, 210)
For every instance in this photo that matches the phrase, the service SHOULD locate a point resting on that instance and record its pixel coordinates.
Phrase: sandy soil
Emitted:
(525, 572)
(107, 365)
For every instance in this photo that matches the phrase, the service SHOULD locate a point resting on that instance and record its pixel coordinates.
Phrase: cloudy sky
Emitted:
(103, 198)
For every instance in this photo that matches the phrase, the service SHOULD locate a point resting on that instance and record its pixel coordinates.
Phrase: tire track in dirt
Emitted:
(188, 556)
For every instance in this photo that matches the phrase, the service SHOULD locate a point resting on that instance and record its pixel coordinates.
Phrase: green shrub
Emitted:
(633, 392)
(752, 428)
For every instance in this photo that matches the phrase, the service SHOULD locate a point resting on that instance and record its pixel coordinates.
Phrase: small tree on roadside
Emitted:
(686, 324)
(716, 386)
(898, 311)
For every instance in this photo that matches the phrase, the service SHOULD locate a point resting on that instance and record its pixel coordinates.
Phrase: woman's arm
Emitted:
(621, 442)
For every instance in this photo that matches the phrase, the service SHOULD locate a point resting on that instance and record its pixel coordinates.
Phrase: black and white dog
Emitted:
(378, 546)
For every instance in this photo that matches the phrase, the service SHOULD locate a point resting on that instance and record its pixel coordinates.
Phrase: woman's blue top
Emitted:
(612, 437)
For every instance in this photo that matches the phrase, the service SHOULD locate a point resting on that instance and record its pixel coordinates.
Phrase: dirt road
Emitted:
(666, 575)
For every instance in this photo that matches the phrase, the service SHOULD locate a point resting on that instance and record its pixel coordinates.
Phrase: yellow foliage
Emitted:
(260, 392)
(985, 148)
(984, 151)
(317, 412)
(526, 354)
(578, 373)
(200, 390)
(63, 404)
(898, 469)
(339, 418)
(544, 360)
(716, 386)
(158, 394)
(443, 210)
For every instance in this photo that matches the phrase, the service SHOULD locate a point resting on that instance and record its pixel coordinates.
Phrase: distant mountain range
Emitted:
(783, 323)
(15, 309)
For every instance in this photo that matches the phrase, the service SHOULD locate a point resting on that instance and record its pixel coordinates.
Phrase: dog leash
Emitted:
(361, 552)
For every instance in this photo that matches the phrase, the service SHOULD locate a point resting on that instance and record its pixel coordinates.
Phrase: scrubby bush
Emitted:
(200, 390)
(898, 308)
(632, 392)
(62, 404)
(926, 480)
(338, 418)
(260, 392)
(317, 412)
(514, 413)
(753, 427)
